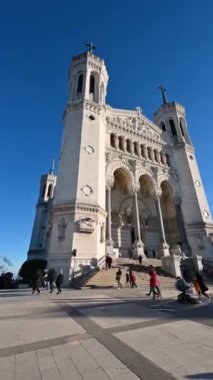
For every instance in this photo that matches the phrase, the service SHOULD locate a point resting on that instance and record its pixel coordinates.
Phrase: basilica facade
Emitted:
(124, 182)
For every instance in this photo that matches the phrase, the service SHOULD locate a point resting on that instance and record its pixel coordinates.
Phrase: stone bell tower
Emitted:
(192, 206)
(78, 213)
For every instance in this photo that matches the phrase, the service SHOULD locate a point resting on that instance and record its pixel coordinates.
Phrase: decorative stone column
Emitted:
(164, 160)
(157, 156)
(152, 157)
(145, 151)
(131, 146)
(138, 244)
(123, 144)
(185, 246)
(116, 141)
(164, 247)
(109, 241)
(138, 149)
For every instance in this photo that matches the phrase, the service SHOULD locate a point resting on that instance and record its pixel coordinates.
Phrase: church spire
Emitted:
(163, 91)
(51, 172)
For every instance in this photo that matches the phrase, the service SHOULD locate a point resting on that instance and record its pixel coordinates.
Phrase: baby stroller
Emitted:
(186, 291)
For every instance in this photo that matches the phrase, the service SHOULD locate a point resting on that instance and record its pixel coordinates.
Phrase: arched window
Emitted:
(135, 148)
(49, 193)
(112, 140)
(80, 84)
(163, 127)
(172, 126)
(142, 151)
(181, 128)
(92, 84)
(44, 190)
(120, 144)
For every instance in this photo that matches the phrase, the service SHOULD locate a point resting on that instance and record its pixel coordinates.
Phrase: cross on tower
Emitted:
(91, 47)
(163, 90)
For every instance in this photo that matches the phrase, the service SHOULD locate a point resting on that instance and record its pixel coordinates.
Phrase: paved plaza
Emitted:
(104, 334)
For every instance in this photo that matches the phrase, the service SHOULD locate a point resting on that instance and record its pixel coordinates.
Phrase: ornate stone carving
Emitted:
(87, 190)
(89, 149)
(86, 225)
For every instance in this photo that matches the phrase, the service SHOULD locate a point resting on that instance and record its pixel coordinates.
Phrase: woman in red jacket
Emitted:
(153, 283)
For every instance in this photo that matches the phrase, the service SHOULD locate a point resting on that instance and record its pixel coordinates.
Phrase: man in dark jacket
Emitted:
(59, 282)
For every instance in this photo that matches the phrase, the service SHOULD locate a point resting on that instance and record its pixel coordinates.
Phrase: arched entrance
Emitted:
(122, 211)
(149, 223)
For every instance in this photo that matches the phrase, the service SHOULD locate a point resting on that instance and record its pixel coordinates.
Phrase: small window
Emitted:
(91, 117)
(163, 127)
(80, 84)
(112, 140)
(181, 128)
(92, 84)
(173, 129)
(49, 191)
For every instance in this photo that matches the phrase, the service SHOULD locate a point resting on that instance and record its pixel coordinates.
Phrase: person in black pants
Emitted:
(59, 282)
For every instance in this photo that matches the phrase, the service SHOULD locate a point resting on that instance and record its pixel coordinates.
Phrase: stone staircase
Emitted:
(106, 278)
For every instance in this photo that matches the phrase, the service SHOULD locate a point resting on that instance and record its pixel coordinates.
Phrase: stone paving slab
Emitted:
(121, 314)
(45, 321)
(184, 348)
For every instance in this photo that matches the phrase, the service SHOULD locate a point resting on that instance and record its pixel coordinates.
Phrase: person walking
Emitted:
(200, 285)
(118, 278)
(133, 280)
(37, 282)
(127, 280)
(153, 283)
(52, 275)
(59, 282)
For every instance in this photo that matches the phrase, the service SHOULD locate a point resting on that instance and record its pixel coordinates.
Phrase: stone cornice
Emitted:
(113, 155)
(78, 207)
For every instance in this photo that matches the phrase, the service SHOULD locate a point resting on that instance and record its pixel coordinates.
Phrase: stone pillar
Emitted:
(138, 244)
(185, 246)
(124, 144)
(157, 156)
(131, 146)
(145, 151)
(116, 141)
(164, 160)
(152, 157)
(138, 149)
(109, 241)
(164, 248)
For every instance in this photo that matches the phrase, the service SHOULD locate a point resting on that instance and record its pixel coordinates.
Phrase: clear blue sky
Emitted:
(143, 44)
